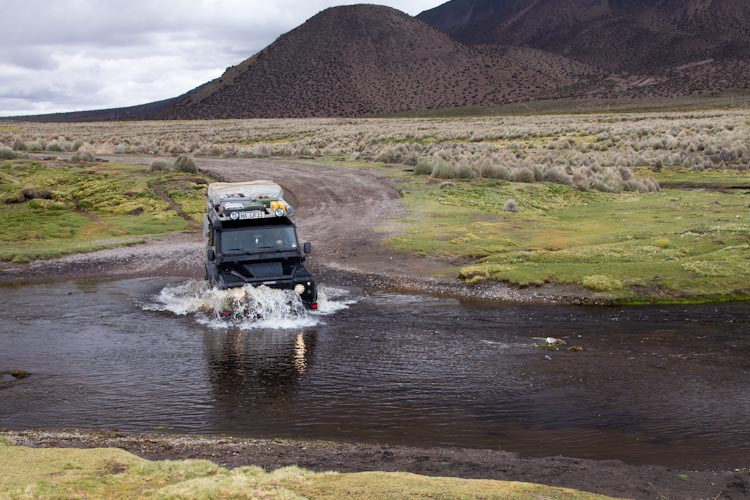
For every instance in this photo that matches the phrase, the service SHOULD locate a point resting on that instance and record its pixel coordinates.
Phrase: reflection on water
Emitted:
(254, 367)
(662, 385)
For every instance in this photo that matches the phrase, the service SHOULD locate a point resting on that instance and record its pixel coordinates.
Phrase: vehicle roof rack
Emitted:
(233, 201)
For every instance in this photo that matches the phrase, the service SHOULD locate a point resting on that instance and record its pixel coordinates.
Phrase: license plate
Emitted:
(254, 214)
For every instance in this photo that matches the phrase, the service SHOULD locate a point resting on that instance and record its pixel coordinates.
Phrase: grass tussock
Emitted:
(114, 474)
(50, 211)
(181, 164)
(615, 152)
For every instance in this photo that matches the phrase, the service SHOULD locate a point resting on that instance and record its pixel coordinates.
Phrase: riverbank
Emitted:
(611, 478)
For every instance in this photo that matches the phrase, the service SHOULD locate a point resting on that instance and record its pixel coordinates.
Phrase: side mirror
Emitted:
(307, 248)
(211, 255)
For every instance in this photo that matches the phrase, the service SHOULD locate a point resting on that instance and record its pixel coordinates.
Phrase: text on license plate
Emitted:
(254, 214)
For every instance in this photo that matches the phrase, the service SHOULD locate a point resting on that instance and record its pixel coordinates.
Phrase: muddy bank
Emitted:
(612, 478)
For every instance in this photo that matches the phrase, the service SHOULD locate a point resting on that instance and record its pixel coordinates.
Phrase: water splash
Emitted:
(331, 300)
(247, 307)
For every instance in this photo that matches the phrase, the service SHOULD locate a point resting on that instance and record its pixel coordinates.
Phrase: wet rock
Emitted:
(551, 344)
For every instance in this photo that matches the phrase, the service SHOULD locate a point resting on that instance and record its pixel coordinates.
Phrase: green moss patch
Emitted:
(50, 210)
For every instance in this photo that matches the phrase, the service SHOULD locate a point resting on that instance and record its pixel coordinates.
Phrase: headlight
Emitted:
(299, 288)
(238, 293)
(280, 212)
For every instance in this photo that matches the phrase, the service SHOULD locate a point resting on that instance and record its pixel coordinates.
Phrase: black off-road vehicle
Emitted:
(251, 240)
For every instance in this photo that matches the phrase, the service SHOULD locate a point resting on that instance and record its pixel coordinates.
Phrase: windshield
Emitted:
(259, 239)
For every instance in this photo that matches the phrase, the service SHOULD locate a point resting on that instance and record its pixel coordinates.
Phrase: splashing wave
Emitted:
(248, 307)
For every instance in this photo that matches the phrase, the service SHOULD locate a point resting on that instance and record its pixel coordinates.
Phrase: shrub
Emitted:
(600, 283)
(635, 186)
(160, 166)
(538, 173)
(53, 146)
(510, 206)
(625, 173)
(19, 145)
(557, 175)
(661, 243)
(185, 164)
(465, 172)
(442, 170)
(495, 171)
(35, 194)
(523, 174)
(263, 150)
(83, 156)
(389, 155)
(581, 182)
(77, 144)
(7, 154)
(410, 159)
(424, 167)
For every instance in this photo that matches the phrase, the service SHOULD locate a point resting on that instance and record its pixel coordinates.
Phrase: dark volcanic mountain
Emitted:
(366, 59)
(638, 36)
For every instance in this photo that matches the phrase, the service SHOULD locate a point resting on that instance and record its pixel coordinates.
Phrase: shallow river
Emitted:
(661, 385)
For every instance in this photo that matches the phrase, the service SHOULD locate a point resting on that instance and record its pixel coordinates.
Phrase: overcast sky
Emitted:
(71, 55)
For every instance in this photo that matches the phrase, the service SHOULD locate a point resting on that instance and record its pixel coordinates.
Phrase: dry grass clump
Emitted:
(510, 205)
(83, 156)
(181, 164)
(7, 154)
(590, 152)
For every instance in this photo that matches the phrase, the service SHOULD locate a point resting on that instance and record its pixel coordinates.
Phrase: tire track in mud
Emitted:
(171, 204)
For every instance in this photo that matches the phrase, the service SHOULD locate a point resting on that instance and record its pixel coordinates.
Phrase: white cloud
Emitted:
(72, 55)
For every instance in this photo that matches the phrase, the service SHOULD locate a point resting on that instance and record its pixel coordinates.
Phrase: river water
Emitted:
(652, 385)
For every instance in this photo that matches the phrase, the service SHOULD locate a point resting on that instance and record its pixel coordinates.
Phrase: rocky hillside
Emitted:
(369, 60)
(635, 36)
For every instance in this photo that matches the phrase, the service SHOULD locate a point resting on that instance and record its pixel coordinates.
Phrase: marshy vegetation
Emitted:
(672, 245)
(51, 209)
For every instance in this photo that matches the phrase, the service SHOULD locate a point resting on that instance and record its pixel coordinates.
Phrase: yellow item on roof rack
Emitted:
(278, 208)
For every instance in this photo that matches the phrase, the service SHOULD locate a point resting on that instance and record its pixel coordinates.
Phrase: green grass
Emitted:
(113, 474)
(673, 245)
(709, 179)
(87, 208)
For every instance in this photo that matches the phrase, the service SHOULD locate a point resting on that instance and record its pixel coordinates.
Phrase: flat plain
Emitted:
(625, 207)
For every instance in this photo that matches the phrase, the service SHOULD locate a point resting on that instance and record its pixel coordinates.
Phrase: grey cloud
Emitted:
(28, 57)
(87, 54)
